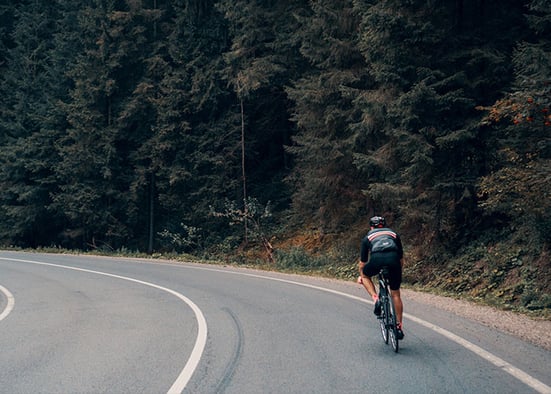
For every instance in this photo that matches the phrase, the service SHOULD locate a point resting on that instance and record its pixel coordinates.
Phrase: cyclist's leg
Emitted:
(397, 305)
(395, 283)
(368, 270)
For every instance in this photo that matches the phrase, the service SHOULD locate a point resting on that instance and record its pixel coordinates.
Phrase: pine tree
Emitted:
(433, 63)
(520, 125)
(138, 117)
(92, 175)
(29, 124)
(258, 66)
(324, 175)
(188, 148)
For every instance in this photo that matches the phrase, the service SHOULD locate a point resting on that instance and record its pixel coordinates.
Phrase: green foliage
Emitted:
(132, 118)
(298, 259)
(422, 145)
(323, 180)
(90, 176)
(188, 238)
(29, 123)
(256, 220)
(518, 185)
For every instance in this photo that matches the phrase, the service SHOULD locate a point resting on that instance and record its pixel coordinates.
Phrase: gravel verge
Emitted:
(524, 327)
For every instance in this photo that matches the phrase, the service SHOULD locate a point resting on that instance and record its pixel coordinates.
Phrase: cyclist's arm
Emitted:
(364, 251)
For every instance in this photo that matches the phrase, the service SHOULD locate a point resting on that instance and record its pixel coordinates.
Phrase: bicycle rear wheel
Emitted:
(393, 326)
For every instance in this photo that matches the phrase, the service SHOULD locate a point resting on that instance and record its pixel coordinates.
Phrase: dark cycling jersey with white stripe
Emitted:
(381, 240)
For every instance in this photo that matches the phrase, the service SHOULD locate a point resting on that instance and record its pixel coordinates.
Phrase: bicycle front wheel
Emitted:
(393, 325)
(383, 319)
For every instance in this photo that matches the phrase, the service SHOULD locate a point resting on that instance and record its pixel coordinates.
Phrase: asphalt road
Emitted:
(79, 324)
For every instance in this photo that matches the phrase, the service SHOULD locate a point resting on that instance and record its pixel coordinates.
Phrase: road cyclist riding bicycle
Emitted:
(382, 247)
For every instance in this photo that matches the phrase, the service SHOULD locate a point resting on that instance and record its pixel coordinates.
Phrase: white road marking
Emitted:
(192, 363)
(534, 383)
(537, 385)
(180, 384)
(10, 305)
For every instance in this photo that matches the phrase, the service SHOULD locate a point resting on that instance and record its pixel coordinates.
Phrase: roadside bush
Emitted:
(298, 259)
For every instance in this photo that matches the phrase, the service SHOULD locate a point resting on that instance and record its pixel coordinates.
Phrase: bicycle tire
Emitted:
(393, 326)
(383, 319)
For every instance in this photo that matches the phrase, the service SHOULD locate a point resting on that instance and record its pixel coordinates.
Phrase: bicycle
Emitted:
(387, 319)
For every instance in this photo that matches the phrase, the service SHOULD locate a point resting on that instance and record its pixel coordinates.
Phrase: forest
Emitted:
(271, 131)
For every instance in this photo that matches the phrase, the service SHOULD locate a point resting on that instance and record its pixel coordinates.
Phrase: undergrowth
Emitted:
(501, 275)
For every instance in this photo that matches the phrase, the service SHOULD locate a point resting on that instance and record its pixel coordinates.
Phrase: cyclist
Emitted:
(382, 247)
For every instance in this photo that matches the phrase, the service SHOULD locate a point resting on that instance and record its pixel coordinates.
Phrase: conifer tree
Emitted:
(520, 125)
(324, 179)
(120, 119)
(93, 182)
(188, 148)
(29, 123)
(432, 64)
(258, 66)
(139, 115)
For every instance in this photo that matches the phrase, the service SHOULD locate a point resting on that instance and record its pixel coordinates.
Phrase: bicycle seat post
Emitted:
(384, 274)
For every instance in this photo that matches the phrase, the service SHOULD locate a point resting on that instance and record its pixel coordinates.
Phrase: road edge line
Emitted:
(193, 361)
(517, 373)
(10, 303)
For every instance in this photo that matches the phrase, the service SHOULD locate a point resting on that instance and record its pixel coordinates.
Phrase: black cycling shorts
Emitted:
(388, 259)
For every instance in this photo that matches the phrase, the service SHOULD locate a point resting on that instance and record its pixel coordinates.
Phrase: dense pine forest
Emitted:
(273, 130)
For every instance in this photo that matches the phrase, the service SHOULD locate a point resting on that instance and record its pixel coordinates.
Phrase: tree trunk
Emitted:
(243, 171)
(151, 212)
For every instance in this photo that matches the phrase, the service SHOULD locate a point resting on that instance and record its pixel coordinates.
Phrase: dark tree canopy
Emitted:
(127, 124)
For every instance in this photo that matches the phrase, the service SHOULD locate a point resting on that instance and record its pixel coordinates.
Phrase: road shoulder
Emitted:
(521, 326)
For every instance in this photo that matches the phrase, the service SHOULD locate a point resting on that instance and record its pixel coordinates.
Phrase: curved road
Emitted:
(79, 324)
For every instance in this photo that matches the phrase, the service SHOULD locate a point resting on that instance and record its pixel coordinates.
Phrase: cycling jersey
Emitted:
(383, 248)
(381, 240)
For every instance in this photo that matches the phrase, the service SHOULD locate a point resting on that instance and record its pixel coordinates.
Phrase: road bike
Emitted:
(387, 318)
